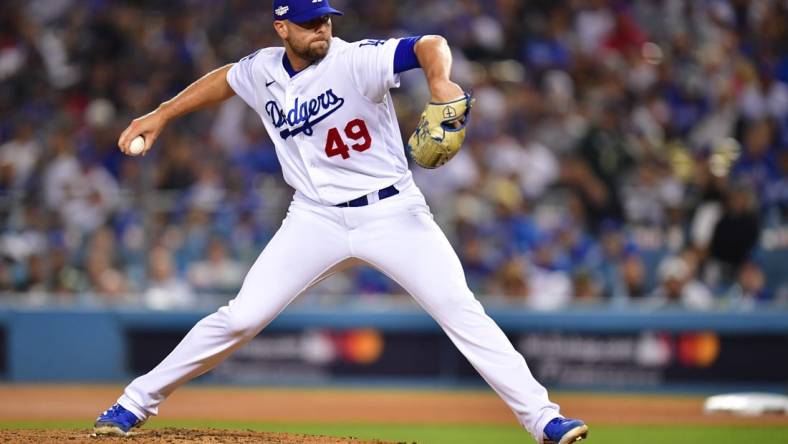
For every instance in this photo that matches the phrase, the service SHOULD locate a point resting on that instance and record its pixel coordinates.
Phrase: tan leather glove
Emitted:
(440, 132)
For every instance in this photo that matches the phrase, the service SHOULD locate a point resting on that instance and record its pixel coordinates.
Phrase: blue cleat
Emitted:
(116, 421)
(564, 431)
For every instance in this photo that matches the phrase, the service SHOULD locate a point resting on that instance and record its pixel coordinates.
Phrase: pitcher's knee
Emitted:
(450, 305)
(244, 325)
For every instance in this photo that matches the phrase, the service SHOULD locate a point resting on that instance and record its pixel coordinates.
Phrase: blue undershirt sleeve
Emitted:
(405, 56)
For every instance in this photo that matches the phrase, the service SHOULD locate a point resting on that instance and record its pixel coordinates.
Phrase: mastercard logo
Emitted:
(358, 346)
(362, 346)
(698, 349)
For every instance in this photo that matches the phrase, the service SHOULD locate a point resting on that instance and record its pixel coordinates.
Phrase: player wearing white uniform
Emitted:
(326, 105)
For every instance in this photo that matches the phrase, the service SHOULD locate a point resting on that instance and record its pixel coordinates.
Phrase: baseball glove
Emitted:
(440, 132)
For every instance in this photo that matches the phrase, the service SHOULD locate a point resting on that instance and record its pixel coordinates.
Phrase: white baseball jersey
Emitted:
(333, 123)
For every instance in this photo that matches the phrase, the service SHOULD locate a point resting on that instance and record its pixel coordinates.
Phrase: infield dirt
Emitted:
(174, 436)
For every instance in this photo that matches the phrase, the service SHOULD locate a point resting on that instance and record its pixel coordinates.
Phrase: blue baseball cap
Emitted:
(300, 11)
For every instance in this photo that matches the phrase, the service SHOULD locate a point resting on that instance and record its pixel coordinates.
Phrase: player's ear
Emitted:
(281, 28)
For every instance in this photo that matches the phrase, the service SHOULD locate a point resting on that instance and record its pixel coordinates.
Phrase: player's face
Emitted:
(309, 40)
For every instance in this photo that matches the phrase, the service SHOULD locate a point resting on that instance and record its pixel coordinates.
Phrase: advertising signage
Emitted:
(622, 360)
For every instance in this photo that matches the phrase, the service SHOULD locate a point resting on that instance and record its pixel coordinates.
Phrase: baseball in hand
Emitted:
(137, 146)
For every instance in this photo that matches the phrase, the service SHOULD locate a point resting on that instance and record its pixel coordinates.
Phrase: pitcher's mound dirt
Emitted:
(174, 436)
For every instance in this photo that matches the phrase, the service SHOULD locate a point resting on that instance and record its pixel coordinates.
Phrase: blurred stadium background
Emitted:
(620, 205)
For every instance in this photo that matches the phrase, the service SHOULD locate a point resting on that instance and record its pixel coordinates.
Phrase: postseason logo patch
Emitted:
(282, 10)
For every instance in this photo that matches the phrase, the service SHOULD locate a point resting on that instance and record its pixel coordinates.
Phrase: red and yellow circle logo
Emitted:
(699, 349)
(363, 346)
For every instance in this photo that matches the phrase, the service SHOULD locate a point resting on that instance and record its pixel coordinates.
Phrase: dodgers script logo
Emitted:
(307, 113)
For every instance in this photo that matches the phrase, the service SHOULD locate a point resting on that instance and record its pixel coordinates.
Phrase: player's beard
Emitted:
(309, 52)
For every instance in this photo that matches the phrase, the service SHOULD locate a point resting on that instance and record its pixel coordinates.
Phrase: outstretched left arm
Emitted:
(435, 59)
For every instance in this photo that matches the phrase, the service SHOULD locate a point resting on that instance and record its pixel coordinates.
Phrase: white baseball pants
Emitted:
(396, 235)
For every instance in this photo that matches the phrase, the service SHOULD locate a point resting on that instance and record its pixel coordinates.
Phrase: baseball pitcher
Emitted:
(326, 105)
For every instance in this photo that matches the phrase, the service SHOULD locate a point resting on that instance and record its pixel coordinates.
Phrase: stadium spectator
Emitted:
(6, 279)
(736, 232)
(630, 285)
(217, 272)
(35, 275)
(165, 289)
(585, 290)
(19, 157)
(750, 290)
(66, 279)
(105, 277)
(678, 288)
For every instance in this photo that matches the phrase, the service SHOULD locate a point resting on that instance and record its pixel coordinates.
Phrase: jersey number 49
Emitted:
(355, 130)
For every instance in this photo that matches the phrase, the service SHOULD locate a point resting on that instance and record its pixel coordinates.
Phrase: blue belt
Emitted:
(363, 201)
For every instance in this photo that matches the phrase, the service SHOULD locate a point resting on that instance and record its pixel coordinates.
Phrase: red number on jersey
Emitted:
(335, 146)
(356, 130)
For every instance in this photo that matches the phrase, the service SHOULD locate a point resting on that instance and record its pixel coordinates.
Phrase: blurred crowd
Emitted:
(620, 152)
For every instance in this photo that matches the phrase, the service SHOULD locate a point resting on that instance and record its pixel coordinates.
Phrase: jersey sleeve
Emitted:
(371, 65)
(241, 78)
(405, 57)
